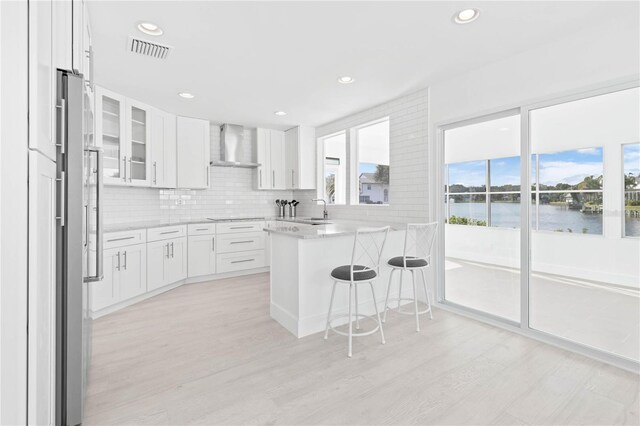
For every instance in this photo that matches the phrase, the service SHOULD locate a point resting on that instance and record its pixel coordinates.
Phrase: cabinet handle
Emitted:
(241, 261)
(118, 267)
(120, 239)
(124, 265)
(155, 173)
(202, 229)
(273, 180)
(169, 232)
(171, 250)
(213, 244)
(241, 242)
(167, 246)
(124, 168)
(260, 174)
(240, 227)
(130, 170)
(207, 172)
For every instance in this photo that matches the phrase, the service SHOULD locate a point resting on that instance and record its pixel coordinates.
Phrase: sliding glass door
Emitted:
(482, 207)
(585, 274)
(565, 265)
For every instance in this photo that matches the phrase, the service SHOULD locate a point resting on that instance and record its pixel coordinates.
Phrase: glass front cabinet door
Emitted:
(123, 131)
(110, 125)
(138, 141)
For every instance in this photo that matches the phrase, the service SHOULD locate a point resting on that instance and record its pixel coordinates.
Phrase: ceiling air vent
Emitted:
(148, 48)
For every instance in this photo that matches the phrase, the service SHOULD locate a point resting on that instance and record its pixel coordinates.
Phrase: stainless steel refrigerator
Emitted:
(79, 178)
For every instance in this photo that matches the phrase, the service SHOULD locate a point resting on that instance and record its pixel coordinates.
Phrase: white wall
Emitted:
(593, 56)
(408, 178)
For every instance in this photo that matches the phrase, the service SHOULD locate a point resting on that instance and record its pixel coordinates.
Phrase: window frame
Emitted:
(535, 210)
(355, 162)
(321, 162)
(352, 187)
(625, 191)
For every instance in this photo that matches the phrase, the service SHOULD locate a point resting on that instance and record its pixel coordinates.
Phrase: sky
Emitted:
(569, 167)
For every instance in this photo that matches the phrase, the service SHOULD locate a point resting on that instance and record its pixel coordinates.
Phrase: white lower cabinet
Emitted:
(166, 262)
(143, 260)
(133, 271)
(230, 262)
(104, 293)
(125, 276)
(202, 255)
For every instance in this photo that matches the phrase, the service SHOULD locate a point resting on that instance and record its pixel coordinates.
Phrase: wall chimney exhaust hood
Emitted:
(232, 150)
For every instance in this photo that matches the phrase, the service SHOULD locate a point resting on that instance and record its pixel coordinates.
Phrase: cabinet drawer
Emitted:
(202, 229)
(123, 238)
(229, 243)
(228, 262)
(166, 232)
(233, 227)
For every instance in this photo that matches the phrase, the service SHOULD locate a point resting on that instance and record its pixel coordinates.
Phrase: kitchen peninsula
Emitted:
(300, 274)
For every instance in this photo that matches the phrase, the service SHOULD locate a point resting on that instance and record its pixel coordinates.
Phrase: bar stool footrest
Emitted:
(354, 333)
(396, 309)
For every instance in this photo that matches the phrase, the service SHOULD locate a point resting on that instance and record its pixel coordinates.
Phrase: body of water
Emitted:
(551, 218)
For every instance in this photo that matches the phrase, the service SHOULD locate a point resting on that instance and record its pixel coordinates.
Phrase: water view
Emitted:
(551, 217)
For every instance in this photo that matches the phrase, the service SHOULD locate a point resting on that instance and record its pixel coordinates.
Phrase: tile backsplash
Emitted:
(231, 193)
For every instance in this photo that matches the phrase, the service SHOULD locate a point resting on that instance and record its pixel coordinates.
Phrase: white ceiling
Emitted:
(245, 60)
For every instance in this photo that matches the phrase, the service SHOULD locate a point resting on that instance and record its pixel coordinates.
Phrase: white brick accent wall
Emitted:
(408, 176)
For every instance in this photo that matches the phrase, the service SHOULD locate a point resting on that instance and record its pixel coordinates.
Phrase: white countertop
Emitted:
(333, 228)
(129, 226)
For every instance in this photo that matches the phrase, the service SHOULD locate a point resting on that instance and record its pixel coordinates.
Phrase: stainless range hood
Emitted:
(232, 148)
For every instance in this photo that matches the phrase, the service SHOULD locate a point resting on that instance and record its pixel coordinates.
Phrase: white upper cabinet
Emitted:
(300, 158)
(163, 149)
(109, 134)
(193, 153)
(262, 149)
(138, 143)
(278, 170)
(123, 130)
(270, 154)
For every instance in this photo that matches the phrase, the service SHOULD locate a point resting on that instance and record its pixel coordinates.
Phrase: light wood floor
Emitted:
(210, 354)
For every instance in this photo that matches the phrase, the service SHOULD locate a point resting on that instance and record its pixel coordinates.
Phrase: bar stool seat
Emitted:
(361, 273)
(411, 262)
(418, 242)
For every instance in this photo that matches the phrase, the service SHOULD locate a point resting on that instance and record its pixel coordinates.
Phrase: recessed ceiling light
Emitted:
(280, 113)
(346, 79)
(186, 95)
(465, 16)
(503, 129)
(150, 28)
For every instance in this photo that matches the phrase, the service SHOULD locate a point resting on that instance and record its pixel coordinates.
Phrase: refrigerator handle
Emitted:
(99, 231)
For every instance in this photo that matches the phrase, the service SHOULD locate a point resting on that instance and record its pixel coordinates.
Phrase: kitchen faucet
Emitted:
(325, 213)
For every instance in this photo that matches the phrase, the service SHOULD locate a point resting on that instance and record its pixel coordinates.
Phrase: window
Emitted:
(482, 182)
(372, 151)
(567, 191)
(631, 161)
(335, 168)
